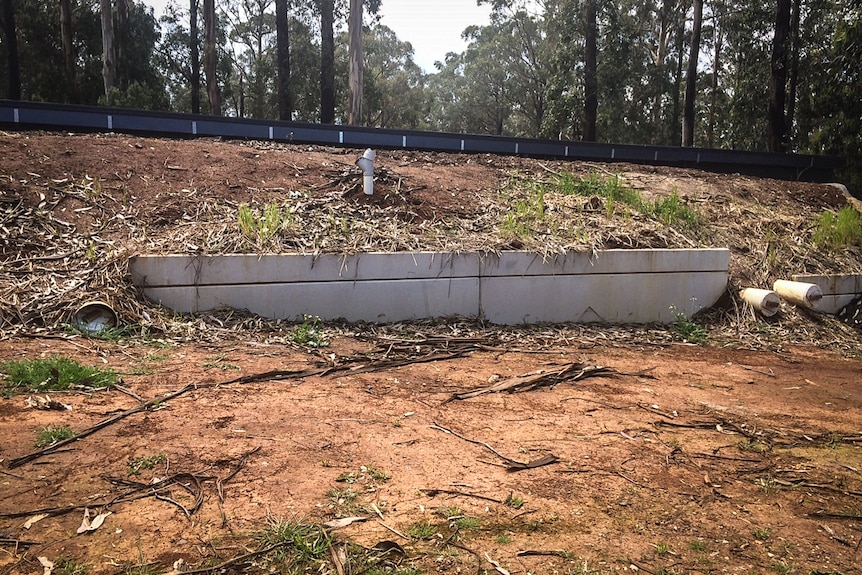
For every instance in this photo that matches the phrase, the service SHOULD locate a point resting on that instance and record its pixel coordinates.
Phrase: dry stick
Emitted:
(511, 464)
(434, 492)
(17, 462)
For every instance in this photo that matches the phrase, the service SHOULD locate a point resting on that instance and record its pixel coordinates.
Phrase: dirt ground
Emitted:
(731, 457)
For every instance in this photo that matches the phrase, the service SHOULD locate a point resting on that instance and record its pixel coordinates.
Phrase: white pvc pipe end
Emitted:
(366, 162)
(805, 294)
(765, 301)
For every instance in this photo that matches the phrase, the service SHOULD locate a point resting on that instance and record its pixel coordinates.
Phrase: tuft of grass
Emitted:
(514, 501)
(293, 546)
(422, 530)
(374, 473)
(218, 362)
(762, 534)
(310, 333)
(834, 231)
(685, 329)
(138, 464)
(260, 227)
(697, 545)
(503, 539)
(53, 374)
(669, 210)
(662, 548)
(458, 519)
(753, 446)
(68, 566)
(521, 219)
(51, 435)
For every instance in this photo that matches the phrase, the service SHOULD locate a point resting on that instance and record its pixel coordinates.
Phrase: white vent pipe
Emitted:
(765, 301)
(366, 162)
(805, 294)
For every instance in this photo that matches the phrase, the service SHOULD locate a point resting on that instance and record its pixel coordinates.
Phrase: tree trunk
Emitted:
(591, 98)
(327, 62)
(285, 109)
(794, 69)
(121, 35)
(777, 134)
(354, 25)
(108, 62)
(194, 54)
(11, 33)
(68, 49)
(716, 67)
(691, 77)
(210, 57)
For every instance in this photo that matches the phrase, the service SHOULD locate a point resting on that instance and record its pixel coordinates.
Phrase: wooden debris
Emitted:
(529, 382)
(510, 464)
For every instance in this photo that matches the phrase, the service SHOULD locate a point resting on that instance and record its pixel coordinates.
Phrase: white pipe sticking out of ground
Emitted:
(366, 162)
(765, 301)
(805, 294)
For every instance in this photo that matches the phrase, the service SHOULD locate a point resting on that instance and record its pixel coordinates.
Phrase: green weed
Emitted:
(835, 231)
(422, 530)
(514, 501)
(54, 374)
(294, 546)
(51, 435)
(310, 333)
(261, 227)
(503, 539)
(762, 534)
(67, 566)
(697, 545)
(217, 362)
(685, 329)
(138, 464)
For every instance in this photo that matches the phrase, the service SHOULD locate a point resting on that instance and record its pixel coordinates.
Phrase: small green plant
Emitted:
(767, 484)
(262, 227)
(54, 374)
(458, 519)
(782, 567)
(662, 548)
(422, 530)
(503, 539)
(374, 473)
(837, 230)
(753, 446)
(138, 464)
(697, 545)
(68, 566)
(51, 435)
(762, 534)
(310, 333)
(514, 501)
(217, 362)
(294, 546)
(685, 329)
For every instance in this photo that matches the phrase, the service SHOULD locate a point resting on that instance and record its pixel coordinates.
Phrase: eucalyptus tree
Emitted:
(10, 44)
(394, 85)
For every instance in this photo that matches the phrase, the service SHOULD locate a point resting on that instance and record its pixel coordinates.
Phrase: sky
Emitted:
(433, 27)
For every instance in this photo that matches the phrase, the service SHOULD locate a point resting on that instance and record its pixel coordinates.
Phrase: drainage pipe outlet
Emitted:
(805, 294)
(765, 301)
(366, 162)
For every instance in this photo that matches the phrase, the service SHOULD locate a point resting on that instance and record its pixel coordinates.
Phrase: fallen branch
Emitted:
(511, 464)
(19, 461)
(529, 382)
(436, 492)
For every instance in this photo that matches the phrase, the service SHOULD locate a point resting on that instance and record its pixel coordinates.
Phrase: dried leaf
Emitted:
(47, 565)
(343, 522)
(496, 565)
(34, 519)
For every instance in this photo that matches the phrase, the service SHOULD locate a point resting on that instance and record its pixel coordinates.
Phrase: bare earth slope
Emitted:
(739, 456)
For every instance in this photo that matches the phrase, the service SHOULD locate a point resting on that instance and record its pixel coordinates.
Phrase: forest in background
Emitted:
(780, 76)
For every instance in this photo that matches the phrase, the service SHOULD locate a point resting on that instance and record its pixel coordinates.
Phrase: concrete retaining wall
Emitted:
(613, 286)
(838, 289)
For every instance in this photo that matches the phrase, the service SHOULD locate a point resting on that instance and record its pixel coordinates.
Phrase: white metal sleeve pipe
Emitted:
(765, 301)
(805, 294)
